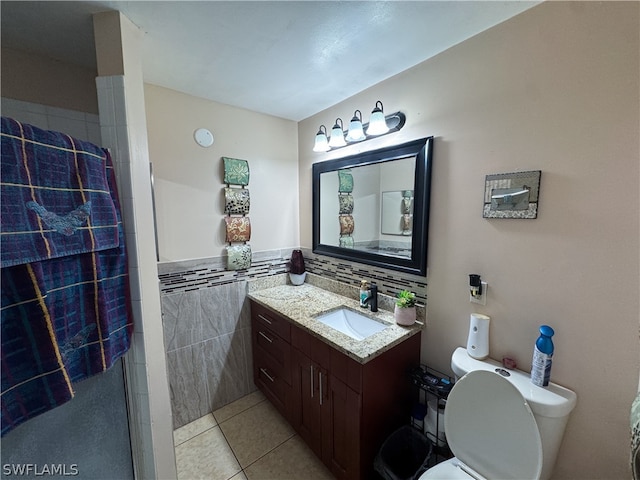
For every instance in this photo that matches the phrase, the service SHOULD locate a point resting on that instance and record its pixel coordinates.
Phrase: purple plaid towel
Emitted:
(55, 197)
(63, 320)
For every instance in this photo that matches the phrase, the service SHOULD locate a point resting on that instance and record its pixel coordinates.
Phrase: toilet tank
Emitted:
(550, 405)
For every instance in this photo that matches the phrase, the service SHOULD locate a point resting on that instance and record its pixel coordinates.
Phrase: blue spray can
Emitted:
(542, 353)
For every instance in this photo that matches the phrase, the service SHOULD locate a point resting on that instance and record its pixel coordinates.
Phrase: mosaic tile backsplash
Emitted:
(205, 273)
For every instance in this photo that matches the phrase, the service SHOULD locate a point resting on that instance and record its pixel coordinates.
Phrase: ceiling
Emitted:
(290, 59)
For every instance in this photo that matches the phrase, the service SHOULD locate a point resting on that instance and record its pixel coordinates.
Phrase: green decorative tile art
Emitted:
(238, 257)
(236, 171)
(346, 204)
(345, 181)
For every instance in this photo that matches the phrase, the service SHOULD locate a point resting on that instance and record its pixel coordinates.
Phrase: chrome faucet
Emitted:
(372, 299)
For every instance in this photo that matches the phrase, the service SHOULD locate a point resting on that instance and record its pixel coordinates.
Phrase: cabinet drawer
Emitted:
(272, 321)
(268, 343)
(271, 384)
(347, 370)
(313, 347)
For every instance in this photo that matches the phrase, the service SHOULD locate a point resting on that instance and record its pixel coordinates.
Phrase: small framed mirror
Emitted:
(512, 195)
(373, 207)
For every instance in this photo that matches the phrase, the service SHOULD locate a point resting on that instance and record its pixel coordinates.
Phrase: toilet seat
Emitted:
(452, 469)
(491, 429)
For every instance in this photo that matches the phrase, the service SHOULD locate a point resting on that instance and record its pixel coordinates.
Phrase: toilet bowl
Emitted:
(499, 425)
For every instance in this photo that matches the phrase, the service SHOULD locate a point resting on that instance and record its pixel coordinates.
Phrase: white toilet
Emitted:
(499, 425)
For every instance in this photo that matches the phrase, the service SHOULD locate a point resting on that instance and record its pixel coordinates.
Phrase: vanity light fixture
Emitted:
(377, 122)
(356, 133)
(337, 135)
(321, 144)
(378, 125)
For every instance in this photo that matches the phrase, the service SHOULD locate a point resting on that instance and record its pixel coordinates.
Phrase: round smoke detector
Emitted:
(203, 137)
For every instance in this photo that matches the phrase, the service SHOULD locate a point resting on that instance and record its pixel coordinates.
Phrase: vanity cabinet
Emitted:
(271, 347)
(341, 408)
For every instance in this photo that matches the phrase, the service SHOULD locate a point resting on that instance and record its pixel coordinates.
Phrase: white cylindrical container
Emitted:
(478, 340)
(434, 423)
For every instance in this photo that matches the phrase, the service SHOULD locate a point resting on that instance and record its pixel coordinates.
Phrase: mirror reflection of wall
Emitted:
(369, 183)
(397, 213)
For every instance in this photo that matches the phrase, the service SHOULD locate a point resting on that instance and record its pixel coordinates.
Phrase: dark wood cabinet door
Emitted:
(341, 416)
(306, 402)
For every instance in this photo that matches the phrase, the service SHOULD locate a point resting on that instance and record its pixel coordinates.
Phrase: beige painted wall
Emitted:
(48, 82)
(554, 89)
(188, 177)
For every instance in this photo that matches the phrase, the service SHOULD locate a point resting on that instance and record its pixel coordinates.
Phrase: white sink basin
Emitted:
(351, 323)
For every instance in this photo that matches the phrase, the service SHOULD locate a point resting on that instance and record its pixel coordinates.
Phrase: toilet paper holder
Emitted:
(433, 399)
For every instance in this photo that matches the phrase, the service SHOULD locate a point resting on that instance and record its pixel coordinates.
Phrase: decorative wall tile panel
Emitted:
(346, 224)
(345, 181)
(238, 257)
(236, 201)
(345, 204)
(346, 241)
(406, 223)
(238, 229)
(236, 171)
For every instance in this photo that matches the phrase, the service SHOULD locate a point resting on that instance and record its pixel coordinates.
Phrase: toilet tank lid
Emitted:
(551, 401)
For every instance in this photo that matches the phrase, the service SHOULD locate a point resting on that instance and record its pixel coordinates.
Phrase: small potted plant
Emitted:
(405, 309)
(297, 272)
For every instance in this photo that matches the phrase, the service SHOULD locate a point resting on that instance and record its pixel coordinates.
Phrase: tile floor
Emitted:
(245, 440)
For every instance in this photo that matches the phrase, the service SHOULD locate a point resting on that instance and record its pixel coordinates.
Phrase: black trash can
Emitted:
(404, 455)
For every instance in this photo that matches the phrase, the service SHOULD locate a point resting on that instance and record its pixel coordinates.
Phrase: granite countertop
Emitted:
(301, 304)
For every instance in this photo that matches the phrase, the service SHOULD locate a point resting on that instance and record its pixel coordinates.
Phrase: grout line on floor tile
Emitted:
(267, 453)
(219, 424)
(193, 436)
(200, 433)
(227, 443)
(234, 453)
(197, 435)
(238, 413)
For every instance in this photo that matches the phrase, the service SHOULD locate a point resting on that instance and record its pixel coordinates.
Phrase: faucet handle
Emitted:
(374, 297)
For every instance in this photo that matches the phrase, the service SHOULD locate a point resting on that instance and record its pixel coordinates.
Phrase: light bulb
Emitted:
(355, 128)
(377, 123)
(337, 135)
(321, 144)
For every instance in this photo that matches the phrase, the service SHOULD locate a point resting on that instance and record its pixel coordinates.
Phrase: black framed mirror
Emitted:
(373, 207)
